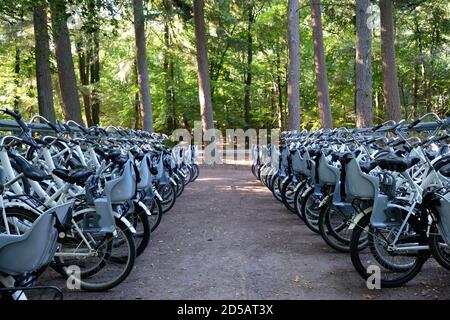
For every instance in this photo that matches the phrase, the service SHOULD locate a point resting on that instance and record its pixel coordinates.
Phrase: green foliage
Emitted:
(422, 37)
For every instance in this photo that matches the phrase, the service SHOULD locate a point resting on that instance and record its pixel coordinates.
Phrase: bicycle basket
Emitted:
(100, 220)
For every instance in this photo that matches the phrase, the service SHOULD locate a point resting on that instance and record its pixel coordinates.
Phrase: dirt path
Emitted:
(228, 238)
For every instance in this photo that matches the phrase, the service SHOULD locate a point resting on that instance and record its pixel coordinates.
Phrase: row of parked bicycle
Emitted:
(83, 201)
(381, 194)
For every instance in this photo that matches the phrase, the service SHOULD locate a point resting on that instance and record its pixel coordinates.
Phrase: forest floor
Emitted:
(228, 238)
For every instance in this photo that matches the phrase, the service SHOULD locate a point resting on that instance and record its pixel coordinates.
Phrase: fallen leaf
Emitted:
(297, 279)
(368, 296)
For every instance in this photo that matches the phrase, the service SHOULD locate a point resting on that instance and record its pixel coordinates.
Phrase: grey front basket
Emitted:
(102, 219)
(122, 188)
(359, 184)
(328, 174)
(298, 163)
(20, 254)
(162, 175)
(116, 191)
(145, 174)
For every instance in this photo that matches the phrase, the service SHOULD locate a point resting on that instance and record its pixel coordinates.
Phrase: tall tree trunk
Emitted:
(137, 103)
(95, 77)
(419, 68)
(280, 106)
(94, 59)
(323, 98)
(364, 117)
(428, 85)
(84, 70)
(66, 73)
(248, 74)
(202, 61)
(273, 95)
(137, 106)
(169, 74)
(16, 78)
(293, 91)
(42, 56)
(435, 41)
(390, 81)
(415, 89)
(377, 107)
(142, 69)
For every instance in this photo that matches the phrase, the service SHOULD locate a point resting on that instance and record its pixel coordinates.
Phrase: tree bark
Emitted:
(377, 106)
(83, 69)
(248, 75)
(364, 117)
(293, 91)
(95, 77)
(390, 81)
(142, 69)
(415, 89)
(323, 98)
(137, 106)
(279, 85)
(42, 56)
(16, 78)
(202, 61)
(169, 76)
(435, 42)
(66, 73)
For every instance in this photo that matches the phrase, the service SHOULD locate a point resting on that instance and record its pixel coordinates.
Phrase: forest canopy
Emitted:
(247, 51)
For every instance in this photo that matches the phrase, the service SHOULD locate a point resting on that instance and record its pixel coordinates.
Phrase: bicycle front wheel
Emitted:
(394, 268)
(96, 261)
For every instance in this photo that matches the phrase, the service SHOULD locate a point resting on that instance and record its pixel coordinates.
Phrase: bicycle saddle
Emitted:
(114, 156)
(74, 163)
(78, 176)
(313, 152)
(138, 155)
(107, 155)
(335, 156)
(441, 162)
(345, 158)
(400, 152)
(28, 170)
(398, 164)
(445, 170)
(431, 154)
(368, 166)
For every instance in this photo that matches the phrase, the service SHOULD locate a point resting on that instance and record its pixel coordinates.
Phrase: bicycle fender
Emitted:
(358, 218)
(21, 205)
(144, 207)
(126, 222)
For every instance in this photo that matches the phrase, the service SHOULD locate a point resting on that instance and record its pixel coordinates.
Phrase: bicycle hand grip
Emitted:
(445, 136)
(85, 131)
(377, 127)
(413, 124)
(53, 126)
(12, 114)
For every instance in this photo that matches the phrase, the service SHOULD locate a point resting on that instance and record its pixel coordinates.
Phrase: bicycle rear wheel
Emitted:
(195, 172)
(168, 194)
(287, 194)
(310, 210)
(155, 208)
